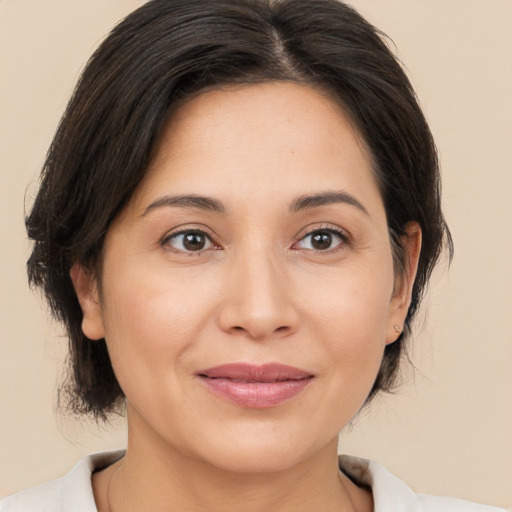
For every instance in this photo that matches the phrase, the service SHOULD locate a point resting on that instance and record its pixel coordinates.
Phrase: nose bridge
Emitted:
(258, 301)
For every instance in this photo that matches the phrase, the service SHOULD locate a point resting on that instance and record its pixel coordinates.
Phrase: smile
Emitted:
(253, 386)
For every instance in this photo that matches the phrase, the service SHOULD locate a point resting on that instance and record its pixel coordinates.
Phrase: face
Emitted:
(247, 289)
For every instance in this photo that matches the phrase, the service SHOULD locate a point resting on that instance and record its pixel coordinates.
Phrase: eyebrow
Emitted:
(313, 201)
(187, 201)
(210, 204)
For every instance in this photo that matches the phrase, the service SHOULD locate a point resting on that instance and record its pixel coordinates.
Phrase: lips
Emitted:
(255, 386)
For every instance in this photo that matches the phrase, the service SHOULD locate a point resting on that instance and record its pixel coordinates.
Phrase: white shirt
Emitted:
(73, 492)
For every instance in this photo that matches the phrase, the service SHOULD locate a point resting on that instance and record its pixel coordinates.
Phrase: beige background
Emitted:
(449, 429)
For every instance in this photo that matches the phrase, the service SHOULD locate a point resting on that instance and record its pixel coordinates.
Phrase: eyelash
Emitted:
(344, 240)
(167, 239)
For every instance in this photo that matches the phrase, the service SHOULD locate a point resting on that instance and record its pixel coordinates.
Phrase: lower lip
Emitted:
(258, 395)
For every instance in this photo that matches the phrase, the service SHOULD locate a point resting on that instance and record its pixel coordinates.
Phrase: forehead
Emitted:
(245, 140)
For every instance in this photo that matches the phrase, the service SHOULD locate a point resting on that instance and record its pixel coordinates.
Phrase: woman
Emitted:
(237, 218)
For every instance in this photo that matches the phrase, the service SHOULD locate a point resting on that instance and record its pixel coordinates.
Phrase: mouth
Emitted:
(254, 386)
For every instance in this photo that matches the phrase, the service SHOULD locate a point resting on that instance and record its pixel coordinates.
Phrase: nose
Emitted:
(258, 299)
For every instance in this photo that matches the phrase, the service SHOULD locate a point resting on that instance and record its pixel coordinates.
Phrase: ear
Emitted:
(404, 282)
(86, 289)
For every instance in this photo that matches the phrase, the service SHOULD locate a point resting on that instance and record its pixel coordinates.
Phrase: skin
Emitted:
(260, 291)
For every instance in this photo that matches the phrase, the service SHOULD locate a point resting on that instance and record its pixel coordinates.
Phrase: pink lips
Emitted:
(255, 386)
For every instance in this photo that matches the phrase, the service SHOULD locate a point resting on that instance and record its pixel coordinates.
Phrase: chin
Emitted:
(256, 460)
(260, 454)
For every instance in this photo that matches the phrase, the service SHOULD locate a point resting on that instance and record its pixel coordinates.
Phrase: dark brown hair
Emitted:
(167, 51)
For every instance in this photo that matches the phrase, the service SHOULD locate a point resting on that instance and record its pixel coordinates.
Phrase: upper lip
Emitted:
(271, 372)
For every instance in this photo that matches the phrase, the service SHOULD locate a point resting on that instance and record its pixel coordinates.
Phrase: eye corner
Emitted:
(189, 241)
(325, 237)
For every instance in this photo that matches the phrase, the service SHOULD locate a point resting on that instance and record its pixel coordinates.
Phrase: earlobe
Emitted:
(404, 283)
(86, 289)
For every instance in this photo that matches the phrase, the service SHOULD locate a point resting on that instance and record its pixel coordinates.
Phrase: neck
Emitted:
(156, 476)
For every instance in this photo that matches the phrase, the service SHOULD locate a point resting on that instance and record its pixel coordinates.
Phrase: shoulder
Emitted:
(390, 494)
(73, 491)
(436, 503)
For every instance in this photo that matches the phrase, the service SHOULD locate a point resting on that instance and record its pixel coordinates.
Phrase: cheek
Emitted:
(149, 322)
(154, 316)
(352, 313)
(352, 303)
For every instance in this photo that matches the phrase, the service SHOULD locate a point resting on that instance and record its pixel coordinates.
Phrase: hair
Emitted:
(168, 51)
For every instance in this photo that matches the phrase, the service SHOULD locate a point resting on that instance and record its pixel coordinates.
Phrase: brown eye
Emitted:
(189, 241)
(322, 240)
(194, 241)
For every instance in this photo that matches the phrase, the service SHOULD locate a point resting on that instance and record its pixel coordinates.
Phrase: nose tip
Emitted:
(259, 327)
(258, 304)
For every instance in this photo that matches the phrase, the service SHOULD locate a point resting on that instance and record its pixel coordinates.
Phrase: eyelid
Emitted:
(184, 229)
(333, 229)
(305, 232)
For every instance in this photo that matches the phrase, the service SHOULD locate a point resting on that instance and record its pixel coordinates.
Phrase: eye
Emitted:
(191, 240)
(322, 240)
